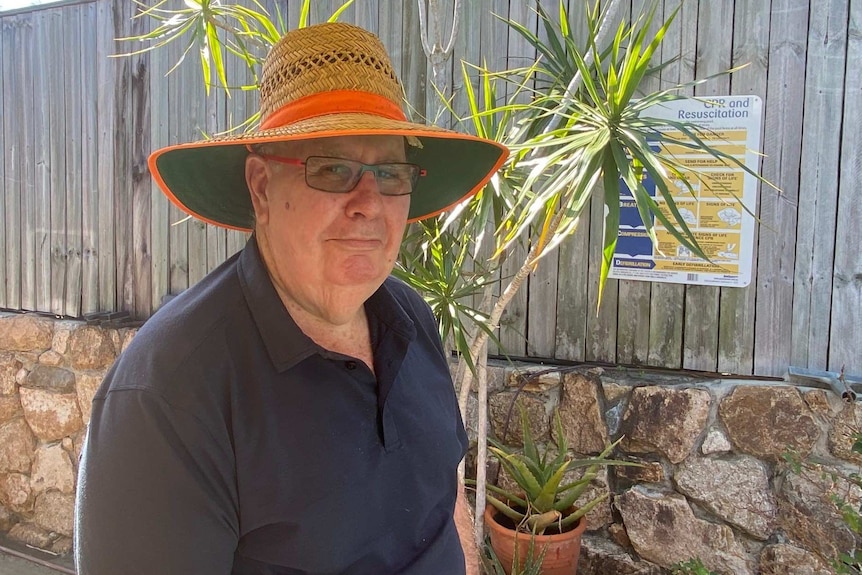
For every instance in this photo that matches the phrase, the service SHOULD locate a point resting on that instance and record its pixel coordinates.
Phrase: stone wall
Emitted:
(49, 371)
(714, 484)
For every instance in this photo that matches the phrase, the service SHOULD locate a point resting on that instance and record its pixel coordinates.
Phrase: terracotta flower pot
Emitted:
(563, 549)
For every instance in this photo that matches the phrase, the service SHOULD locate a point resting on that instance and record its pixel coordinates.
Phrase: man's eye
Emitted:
(385, 173)
(335, 170)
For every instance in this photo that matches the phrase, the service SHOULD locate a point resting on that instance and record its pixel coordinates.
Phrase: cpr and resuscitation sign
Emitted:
(715, 211)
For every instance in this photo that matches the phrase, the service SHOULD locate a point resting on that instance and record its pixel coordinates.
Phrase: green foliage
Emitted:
(690, 567)
(543, 499)
(491, 564)
(215, 29)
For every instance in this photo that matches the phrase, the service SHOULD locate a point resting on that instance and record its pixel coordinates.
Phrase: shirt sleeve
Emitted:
(156, 491)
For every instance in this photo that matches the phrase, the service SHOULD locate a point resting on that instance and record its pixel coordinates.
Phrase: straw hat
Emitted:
(326, 80)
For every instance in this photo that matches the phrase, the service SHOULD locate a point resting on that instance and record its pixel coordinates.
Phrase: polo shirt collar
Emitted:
(285, 342)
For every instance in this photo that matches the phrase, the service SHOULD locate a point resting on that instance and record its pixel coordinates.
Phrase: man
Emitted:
(293, 412)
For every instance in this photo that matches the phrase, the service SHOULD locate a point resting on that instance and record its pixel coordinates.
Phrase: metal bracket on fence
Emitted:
(844, 385)
(115, 319)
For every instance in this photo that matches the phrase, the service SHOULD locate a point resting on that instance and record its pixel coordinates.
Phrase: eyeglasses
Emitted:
(340, 176)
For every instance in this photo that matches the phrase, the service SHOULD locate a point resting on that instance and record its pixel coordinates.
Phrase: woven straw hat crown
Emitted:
(325, 58)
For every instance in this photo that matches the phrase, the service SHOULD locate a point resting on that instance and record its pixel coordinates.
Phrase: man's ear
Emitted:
(257, 176)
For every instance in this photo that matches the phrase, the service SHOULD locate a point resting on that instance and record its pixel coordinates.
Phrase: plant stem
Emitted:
(482, 447)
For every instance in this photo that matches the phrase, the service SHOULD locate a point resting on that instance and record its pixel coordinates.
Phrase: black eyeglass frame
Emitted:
(375, 169)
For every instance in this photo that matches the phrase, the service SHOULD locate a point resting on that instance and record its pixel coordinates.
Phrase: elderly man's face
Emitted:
(320, 240)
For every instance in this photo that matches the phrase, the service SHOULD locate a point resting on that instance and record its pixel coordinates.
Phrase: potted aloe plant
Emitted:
(542, 510)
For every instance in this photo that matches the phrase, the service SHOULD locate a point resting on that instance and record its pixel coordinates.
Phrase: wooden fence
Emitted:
(84, 229)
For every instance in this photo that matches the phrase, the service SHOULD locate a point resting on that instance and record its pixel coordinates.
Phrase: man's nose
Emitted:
(365, 199)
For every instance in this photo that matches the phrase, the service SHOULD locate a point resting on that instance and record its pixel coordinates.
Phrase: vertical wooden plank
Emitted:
(291, 10)
(160, 63)
(21, 269)
(181, 98)
(513, 324)
(573, 303)
(572, 296)
(139, 281)
(44, 154)
(492, 38)
(55, 82)
(846, 333)
(821, 150)
(390, 22)
(601, 341)
(531, 314)
(667, 301)
(123, 148)
(715, 19)
(107, 77)
(365, 14)
(12, 150)
(439, 27)
(89, 161)
(413, 62)
(633, 304)
(5, 104)
(321, 10)
(74, 102)
(467, 49)
(737, 305)
(782, 149)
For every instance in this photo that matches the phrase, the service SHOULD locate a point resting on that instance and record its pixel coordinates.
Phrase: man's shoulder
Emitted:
(190, 329)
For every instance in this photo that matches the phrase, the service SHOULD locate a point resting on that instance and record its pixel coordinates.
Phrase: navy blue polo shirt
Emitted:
(225, 441)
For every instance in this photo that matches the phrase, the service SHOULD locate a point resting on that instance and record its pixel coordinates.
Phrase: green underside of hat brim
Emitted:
(208, 181)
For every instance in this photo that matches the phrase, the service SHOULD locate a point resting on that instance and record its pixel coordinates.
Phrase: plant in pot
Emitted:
(541, 511)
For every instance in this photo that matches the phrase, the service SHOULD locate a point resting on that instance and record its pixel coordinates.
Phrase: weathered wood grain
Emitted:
(667, 301)
(12, 150)
(37, 233)
(818, 183)
(73, 103)
(108, 72)
(390, 18)
(737, 305)
(782, 146)
(160, 62)
(414, 74)
(845, 339)
(89, 296)
(138, 284)
(700, 341)
(573, 275)
(28, 190)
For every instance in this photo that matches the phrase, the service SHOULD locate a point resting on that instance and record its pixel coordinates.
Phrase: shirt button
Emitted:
(351, 365)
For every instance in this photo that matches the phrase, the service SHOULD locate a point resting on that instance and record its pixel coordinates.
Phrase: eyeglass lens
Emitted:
(340, 175)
